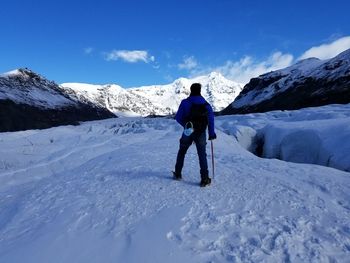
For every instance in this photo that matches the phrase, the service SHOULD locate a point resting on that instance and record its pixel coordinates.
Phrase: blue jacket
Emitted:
(184, 111)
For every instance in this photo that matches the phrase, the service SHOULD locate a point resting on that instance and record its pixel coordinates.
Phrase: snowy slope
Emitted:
(309, 82)
(102, 192)
(156, 99)
(283, 79)
(25, 86)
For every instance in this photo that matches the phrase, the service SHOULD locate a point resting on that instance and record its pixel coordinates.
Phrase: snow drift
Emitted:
(312, 135)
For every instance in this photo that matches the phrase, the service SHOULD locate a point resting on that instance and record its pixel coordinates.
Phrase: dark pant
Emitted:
(185, 142)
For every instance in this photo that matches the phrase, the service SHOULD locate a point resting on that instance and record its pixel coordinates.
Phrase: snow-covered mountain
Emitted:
(309, 82)
(29, 101)
(23, 86)
(114, 98)
(216, 89)
(155, 99)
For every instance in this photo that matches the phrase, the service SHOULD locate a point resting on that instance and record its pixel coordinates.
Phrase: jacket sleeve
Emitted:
(180, 115)
(211, 125)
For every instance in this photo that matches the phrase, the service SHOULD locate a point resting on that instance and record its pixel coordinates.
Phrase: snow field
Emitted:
(103, 192)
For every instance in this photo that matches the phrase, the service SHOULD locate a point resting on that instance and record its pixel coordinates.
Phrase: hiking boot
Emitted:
(177, 176)
(205, 182)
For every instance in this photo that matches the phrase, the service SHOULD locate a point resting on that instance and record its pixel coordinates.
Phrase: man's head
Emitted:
(196, 89)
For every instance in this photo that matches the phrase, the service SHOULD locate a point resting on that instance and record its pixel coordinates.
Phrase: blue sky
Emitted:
(134, 43)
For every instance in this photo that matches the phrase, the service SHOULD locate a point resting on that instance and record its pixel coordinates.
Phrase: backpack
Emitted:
(199, 117)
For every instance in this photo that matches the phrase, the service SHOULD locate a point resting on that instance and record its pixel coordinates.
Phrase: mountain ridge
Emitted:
(156, 99)
(309, 82)
(30, 101)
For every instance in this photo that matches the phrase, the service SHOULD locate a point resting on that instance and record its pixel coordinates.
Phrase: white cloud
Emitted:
(131, 56)
(247, 67)
(327, 51)
(88, 50)
(188, 63)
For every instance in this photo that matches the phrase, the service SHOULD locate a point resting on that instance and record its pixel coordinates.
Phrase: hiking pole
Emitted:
(212, 157)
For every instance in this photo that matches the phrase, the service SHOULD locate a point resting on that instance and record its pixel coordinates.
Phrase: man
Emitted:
(195, 112)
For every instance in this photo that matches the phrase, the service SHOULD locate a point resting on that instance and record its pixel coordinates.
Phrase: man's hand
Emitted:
(212, 137)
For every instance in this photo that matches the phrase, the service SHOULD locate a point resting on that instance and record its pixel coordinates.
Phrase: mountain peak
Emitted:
(306, 61)
(214, 75)
(23, 73)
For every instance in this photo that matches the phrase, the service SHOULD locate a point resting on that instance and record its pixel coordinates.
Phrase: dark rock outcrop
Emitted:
(20, 116)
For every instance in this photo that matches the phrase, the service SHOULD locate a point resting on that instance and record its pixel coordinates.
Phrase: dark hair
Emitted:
(196, 89)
